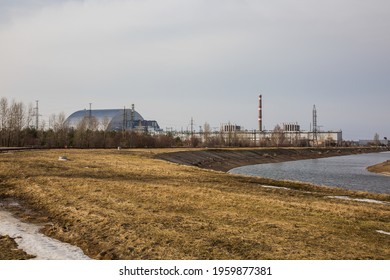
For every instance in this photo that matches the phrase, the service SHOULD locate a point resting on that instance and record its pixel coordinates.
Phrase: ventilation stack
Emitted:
(315, 127)
(132, 116)
(260, 113)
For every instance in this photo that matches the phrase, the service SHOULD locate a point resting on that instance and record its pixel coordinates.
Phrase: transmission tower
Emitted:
(36, 114)
(315, 127)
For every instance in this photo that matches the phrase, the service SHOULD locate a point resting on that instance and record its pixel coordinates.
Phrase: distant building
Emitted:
(230, 128)
(112, 120)
(384, 142)
(291, 127)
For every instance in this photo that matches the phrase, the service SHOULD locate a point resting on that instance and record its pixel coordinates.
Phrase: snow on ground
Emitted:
(274, 187)
(383, 232)
(361, 199)
(30, 240)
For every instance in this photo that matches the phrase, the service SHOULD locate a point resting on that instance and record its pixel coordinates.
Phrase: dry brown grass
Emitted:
(9, 250)
(383, 168)
(127, 205)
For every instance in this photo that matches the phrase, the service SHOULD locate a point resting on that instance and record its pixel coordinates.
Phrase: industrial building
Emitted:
(285, 134)
(112, 120)
(291, 133)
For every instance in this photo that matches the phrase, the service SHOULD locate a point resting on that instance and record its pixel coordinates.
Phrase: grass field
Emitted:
(383, 168)
(128, 205)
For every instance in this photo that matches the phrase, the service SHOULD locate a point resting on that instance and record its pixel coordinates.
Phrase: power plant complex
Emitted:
(112, 120)
(285, 134)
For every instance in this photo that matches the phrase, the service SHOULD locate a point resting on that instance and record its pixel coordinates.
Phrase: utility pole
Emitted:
(315, 127)
(90, 110)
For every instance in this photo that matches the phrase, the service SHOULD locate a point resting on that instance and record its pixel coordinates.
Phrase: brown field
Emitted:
(128, 205)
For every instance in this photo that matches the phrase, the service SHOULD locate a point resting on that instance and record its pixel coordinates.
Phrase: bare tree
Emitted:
(29, 115)
(3, 120)
(16, 122)
(60, 129)
(81, 133)
(278, 137)
(206, 133)
(376, 139)
(105, 123)
(93, 123)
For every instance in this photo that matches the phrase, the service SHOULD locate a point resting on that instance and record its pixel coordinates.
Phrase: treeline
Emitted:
(18, 128)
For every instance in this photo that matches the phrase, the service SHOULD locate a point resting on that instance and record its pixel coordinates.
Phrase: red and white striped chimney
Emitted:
(260, 113)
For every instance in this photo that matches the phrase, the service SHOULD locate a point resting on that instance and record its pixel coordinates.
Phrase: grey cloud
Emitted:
(203, 54)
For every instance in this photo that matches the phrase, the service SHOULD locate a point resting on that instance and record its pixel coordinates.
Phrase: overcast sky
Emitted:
(206, 59)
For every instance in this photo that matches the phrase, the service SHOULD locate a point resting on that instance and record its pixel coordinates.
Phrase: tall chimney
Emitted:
(132, 116)
(260, 114)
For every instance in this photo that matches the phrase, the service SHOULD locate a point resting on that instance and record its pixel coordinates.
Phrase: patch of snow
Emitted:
(383, 232)
(361, 199)
(274, 187)
(30, 240)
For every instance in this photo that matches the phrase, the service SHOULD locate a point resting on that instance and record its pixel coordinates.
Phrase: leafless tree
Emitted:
(15, 123)
(277, 136)
(60, 129)
(3, 120)
(206, 133)
(376, 139)
(29, 115)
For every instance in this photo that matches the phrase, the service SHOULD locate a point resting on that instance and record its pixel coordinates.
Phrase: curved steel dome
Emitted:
(112, 119)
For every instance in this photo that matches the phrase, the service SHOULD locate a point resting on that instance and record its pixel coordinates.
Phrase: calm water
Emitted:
(345, 171)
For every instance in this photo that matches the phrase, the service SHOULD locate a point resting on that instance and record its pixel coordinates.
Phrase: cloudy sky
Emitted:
(206, 59)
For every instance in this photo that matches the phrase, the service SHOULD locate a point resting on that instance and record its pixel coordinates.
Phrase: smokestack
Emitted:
(314, 118)
(132, 116)
(260, 114)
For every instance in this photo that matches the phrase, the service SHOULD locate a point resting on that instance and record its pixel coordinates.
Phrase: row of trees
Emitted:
(14, 120)
(18, 128)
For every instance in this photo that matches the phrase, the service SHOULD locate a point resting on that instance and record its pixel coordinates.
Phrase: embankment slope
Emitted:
(382, 168)
(226, 159)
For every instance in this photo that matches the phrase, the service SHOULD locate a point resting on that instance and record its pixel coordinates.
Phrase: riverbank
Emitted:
(227, 159)
(382, 168)
(130, 204)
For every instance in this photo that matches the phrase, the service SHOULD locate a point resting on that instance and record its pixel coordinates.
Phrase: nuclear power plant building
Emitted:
(112, 120)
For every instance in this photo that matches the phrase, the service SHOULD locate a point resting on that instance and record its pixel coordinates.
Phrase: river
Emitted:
(347, 172)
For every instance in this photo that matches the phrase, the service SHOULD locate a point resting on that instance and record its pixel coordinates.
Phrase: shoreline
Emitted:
(380, 168)
(226, 159)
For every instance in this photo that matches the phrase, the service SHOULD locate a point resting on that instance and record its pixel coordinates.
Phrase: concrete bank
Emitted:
(226, 159)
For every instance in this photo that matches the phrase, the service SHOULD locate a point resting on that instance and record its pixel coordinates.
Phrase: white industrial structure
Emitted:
(112, 120)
